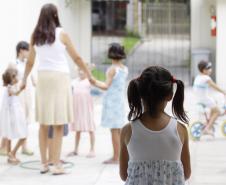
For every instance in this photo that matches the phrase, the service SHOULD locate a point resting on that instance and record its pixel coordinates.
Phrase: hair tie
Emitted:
(174, 80)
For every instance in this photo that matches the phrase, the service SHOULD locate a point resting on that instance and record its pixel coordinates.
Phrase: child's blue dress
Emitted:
(113, 112)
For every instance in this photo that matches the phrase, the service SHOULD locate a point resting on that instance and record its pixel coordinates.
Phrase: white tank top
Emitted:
(148, 145)
(51, 57)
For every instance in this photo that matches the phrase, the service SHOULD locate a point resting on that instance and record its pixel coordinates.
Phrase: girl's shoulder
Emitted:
(182, 131)
(126, 133)
(111, 70)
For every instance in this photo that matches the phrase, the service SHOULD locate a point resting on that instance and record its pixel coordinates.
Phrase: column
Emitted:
(221, 43)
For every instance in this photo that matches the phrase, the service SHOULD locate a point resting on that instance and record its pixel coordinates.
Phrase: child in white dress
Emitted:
(13, 123)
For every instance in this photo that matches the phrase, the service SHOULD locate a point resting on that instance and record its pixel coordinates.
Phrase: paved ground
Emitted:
(208, 161)
(172, 53)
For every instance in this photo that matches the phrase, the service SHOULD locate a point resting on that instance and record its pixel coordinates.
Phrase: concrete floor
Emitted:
(208, 160)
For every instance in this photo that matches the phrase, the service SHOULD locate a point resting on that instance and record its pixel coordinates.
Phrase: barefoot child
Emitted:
(113, 112)
(154, 146)
(13, 123)
(83, 113)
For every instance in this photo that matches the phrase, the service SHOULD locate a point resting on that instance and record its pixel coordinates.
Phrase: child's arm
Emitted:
(215, 86)
(74, 55)
(105, 85)
(185, 154)
(33, 80)
(13, 92)
(124, 156)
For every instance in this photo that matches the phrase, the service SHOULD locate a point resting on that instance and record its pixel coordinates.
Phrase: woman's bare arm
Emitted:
(30, 62)
(74, 55)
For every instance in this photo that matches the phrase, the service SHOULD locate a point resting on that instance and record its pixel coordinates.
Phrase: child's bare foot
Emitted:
(208, 132)
(12, 159)
(91, 154)
(111, 161)
(72, 154)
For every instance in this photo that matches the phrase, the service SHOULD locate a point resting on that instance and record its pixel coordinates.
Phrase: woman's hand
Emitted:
(92, 80)
(23, 84)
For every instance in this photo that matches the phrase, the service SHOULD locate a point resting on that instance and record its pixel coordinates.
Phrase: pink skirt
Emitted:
(83, 113)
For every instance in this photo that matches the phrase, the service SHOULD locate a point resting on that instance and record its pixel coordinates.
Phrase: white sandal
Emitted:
(44, 169)
(58, 170)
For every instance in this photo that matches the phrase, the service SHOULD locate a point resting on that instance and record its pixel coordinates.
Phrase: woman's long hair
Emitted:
(44, 32)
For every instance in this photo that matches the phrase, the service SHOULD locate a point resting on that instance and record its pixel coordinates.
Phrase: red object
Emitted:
(213, 26)
(174, 80)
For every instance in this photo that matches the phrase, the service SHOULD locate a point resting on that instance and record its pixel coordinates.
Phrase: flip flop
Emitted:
(58, 171)
(44, 169)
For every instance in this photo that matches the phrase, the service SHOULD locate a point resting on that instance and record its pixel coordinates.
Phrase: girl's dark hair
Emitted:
(48, 21)
(8, 76)
(116, 52)
(204, 65)
(22, 45)
(153, 86)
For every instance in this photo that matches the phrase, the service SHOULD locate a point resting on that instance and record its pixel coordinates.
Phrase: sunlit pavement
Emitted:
(208, 160)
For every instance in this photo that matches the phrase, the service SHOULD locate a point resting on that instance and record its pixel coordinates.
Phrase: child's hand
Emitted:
(92, 80)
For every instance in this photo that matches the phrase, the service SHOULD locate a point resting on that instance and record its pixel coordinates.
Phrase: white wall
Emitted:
(221, 43)
(18, 19)
(201, 28)
(130, 16)
(201, 24)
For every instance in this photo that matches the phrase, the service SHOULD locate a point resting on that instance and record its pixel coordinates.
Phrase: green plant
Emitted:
(129, 43)
(98, 74)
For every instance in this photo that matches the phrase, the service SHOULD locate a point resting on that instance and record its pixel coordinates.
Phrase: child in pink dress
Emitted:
(83, 113)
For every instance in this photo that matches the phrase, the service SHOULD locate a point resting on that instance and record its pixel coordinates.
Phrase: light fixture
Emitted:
(212, 10)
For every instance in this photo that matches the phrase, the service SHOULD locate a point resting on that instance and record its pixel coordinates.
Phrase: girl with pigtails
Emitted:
(154, 146)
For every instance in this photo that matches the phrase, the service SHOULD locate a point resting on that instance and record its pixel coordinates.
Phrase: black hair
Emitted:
(116, 52)
(153, 86)
(22, 45)
(8, 76)
(48, 21)
(204, 65)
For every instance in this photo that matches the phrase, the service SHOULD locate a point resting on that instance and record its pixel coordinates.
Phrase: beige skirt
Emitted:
(53, 98)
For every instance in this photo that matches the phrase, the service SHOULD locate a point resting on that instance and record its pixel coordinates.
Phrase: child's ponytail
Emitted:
(178, 101)
(134, 100)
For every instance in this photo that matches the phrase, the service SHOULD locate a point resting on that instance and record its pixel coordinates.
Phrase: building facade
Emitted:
(18, 19)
